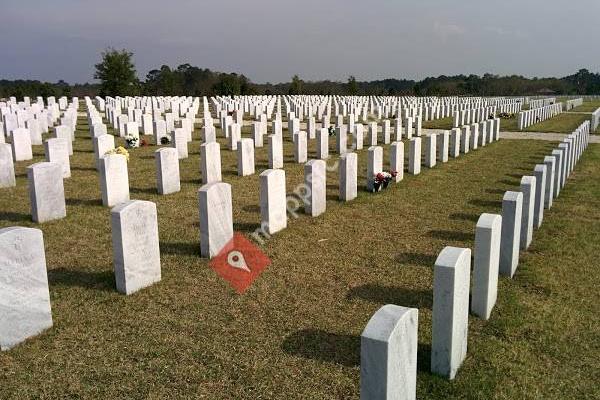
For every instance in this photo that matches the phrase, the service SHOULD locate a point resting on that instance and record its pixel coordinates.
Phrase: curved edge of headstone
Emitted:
(36, 311)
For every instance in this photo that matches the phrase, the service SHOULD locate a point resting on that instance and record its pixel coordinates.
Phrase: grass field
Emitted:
(296, 332)
(442, 123)
(562, 123)
(587, 106)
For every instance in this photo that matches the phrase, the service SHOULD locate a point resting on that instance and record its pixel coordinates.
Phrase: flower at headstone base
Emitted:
(143, 143)
(119, 150)
(165, 140)
(383, 179)
(331, 131)
(131, 141)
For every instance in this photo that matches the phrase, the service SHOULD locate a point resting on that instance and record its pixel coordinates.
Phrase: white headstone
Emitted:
(323, 144)
(397, 160)
(474, 136)
(528, 189)
(24, 295)
(550, 163)
(539, 173)
(275, 151)
(414, 156)
(374, 165)
(167, 170)
(465, 139)
(358, 136)
(315, 181)
(46, 191)
(180, 142)
(431, 150)
(512, 207)
(486, 264)
(7, 167)
(388, 354)
(450, 317)
(159, 130)
(216, 218)
(273, 200)
(245, 157)
(443, 143)
(21, 145)
(102, 144)
(210, 162)
(373, 129)
(135, 243)
(114, 179)
(57, 150)
(64, 132)
(348, 170)
(455, 143)
(98, 130)
(300, 147)
(341, 139)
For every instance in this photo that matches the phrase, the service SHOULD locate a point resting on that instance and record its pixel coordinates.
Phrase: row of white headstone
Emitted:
(114, 167)
(529, 117)
(389, 341)
(36, 118)
(134, 223)
(539, 103)
(572, 103)
(595, 120)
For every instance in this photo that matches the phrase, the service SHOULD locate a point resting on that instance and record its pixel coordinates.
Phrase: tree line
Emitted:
(117, 75)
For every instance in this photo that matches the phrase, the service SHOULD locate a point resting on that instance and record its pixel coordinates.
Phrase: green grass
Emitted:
(509, 124)
(587, 106)
(442, 123)
(296, 332)
(562, 123)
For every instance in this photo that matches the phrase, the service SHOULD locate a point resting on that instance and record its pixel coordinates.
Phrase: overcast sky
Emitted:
(271, 40)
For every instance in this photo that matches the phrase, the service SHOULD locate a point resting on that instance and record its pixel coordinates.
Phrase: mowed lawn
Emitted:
(562, 123)
(587, 106)
(296, 332)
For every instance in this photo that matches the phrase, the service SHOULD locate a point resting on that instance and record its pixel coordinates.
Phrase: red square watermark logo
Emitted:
(240, 262)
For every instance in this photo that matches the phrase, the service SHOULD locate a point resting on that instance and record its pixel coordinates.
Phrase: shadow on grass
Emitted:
(404, 297)
(14, 217)
(84, 202)
(526, 169)
(486, 203)
(180, 248)
(425, 260)
(424, 357)
(451, 235)
(464, 217)
(83, 169)
(509, 182)
(192, 181)
(516, 176)
(245, 227)
(82, 151)
(144, 190)
(103, 280)
(495, 191)
(324, 346)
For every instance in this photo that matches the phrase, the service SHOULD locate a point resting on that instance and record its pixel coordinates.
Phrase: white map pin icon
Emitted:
(236, 260)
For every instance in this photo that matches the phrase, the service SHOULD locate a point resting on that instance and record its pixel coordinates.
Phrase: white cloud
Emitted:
(447, 31)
